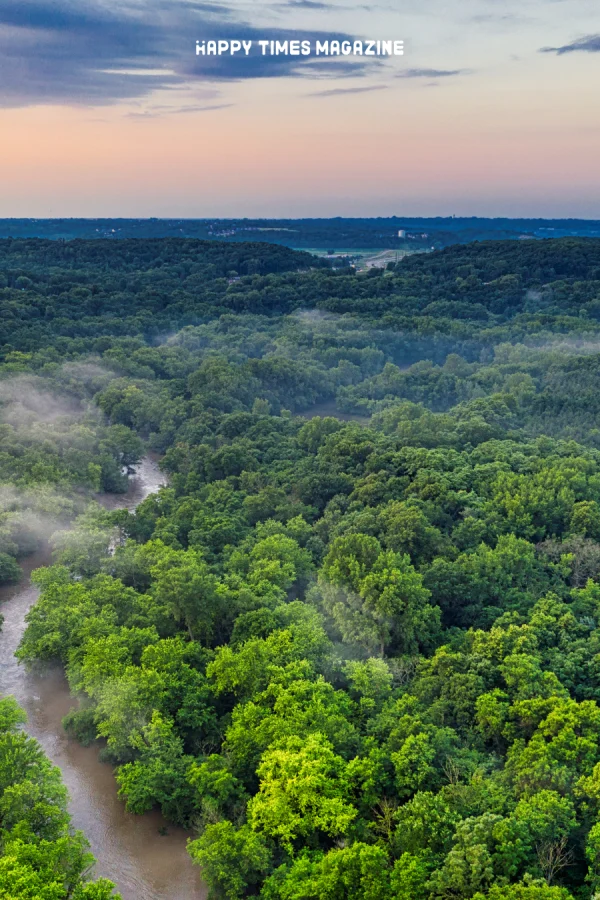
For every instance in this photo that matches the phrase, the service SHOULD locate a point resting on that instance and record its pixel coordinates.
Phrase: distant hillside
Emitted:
(533, 261)
(250, 258)
(507, 276)
(79, 289)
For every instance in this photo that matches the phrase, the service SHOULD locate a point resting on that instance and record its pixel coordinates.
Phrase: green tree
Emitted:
(376, 598)
(303, 791)
(234, 860)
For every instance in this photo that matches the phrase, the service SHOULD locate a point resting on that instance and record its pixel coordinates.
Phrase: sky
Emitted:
(106, 110)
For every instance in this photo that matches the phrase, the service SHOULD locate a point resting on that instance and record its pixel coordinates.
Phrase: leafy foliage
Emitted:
(355, 651)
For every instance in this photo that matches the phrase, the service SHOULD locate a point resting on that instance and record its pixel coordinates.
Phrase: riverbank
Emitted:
(133, 851)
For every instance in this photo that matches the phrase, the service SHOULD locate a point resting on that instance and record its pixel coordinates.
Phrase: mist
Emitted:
(49, 474)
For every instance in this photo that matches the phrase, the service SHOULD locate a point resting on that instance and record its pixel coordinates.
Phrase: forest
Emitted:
(341, 233)
(353, 645)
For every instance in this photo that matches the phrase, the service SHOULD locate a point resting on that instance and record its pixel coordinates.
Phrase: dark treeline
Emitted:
(342, 233)
(357, 659)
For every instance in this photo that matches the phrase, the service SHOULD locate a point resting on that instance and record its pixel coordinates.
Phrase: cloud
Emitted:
(588, 44)
(98, 52)
(431, 73)
(338, 67)
(495, 19)
(319, 4)
(60, 52)
(226, 68)
(335, 92)
(157, 113)
(314, 5)
(306, 4)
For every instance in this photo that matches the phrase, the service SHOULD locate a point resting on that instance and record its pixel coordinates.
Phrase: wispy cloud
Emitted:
(588, 44)
(306, 4)
(158, 113)
(431, 73)
(336, 92)
(314, 5)
(496, 19)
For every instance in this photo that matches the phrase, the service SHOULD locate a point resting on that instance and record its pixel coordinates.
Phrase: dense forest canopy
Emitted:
(353, 645)
(88, 289)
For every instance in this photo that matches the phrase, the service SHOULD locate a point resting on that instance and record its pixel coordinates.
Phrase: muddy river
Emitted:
(133, 851)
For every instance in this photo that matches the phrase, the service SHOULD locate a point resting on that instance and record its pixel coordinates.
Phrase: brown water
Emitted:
(144, 864)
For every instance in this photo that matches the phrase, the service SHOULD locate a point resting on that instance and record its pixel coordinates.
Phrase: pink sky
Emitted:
(502, 130)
